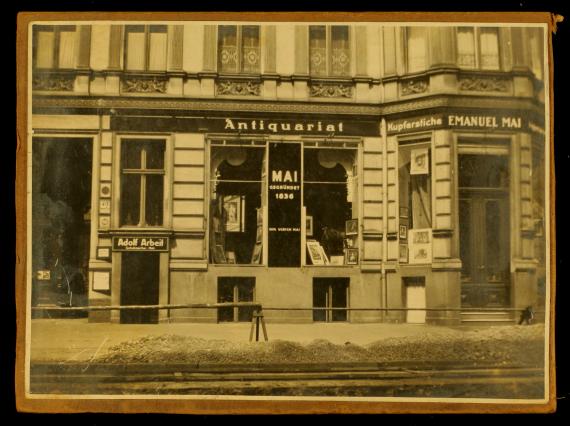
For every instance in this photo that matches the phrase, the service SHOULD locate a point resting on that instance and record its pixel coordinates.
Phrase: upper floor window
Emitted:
(142, 182)
(478, 48)
(54, 46)
(537, 52)
(145, 47)
(329, 50)
(416, 49)
(238, 49)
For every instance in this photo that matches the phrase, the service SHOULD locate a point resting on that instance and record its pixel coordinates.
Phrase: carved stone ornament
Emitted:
(237, 87)
(331, 90)
(484, 84)
(144, 85)
(53, 83)
(412, 87)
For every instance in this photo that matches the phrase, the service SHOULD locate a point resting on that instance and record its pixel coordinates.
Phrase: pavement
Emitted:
(68, 340)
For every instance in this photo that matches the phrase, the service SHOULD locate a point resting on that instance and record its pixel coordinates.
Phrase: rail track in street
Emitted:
(364, 380)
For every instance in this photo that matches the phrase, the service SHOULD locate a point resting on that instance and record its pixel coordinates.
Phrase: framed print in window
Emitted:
(234, 209)
(315, 252)
(351, 227)
(351, 256)
(309, 226)
(419, 164)
(403, 232)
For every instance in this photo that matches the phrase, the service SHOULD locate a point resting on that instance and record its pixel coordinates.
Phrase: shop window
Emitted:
(478, 48)
(142, 182)
(238, 49)
(54, 47)
(415, 203)
(233, 290)
(416, 49)
(236, 206)
(145, 47)
(332, 295)
(330, 205)
(329, 50)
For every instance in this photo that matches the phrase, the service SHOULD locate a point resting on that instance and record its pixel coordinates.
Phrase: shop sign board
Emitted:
(140, 243)
(459, 120)
(284, 204)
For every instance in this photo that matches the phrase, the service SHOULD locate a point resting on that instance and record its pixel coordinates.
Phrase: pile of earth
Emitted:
(498, 345)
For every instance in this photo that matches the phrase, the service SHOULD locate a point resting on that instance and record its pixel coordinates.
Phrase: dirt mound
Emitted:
(500, 345)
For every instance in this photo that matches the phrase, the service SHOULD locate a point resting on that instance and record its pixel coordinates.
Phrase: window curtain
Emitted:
(67, 49)
(45, 47)
(250, 49)
(489, 48)
(157, 48)
(317, 50)
(135, 48)
(417, 51)
(227, 48)
(466, 47)
(340, 51)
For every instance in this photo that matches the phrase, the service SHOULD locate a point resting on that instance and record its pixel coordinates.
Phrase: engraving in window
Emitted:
(142, 182)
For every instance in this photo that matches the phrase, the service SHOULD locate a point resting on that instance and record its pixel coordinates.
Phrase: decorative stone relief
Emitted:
(144, 85)
(62, 83)
(336, 90)
(238, 87)
(484, 84)
(415, 86)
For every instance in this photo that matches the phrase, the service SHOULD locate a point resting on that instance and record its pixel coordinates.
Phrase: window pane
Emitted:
(67, 49)
(157, 48)
(416, 49)
(227, 48)
(537, 55)
(130, 199)
(131, 154)
(135, 48)
(44, 52)
(421, 201)
(154, 199)
(340, 51)
(317, 50)
(154, 154)
(250, 48)
(465, 47)
(489, 48)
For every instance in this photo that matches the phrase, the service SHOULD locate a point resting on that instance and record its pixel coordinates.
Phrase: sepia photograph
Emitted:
(170, 163)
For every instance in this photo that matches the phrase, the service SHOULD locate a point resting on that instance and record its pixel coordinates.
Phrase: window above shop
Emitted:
(416, 49)
(329, 50)
(54, 47)
(478, 48)
(142, 182)
(239, 49)
(145, 47)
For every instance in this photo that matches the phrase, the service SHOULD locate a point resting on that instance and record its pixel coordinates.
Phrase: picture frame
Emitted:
(234, 213)
(309, 226)
(403, 232)
(103, 253)
(315, 252)
(419, 161)
(351, 256)
(101, 281)
(351, 227)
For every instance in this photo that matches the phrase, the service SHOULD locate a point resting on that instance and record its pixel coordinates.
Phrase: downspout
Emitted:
(384, 141)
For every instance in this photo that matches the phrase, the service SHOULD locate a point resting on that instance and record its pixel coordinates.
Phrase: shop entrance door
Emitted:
(330, 293)
(484, 231)
(139, 286)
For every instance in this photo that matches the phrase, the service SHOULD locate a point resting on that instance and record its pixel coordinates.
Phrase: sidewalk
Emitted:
(77, 340)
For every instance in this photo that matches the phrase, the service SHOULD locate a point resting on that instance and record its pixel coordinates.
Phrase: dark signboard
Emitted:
(284, 204)
(140, 243)
(462, 120)
(262, 125)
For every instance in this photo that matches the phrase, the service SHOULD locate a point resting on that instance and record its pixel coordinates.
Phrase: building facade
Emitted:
(374, 167)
